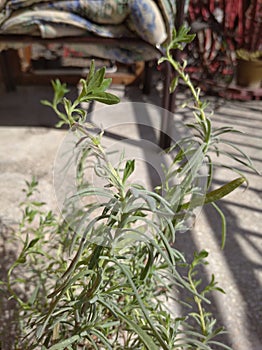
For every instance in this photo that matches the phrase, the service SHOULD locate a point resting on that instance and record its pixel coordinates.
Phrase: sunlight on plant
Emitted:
(75, 294)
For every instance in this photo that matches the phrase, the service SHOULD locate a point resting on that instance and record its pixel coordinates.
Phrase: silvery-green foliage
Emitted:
(114, 295)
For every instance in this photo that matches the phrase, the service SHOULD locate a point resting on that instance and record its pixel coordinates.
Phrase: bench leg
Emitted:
(168, 103)
(6, 72)
(147, 83)
(169, 100)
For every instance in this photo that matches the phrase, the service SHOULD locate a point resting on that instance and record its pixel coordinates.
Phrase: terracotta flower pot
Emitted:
(249, 73)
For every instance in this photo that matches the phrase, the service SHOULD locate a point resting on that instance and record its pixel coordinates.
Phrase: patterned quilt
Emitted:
(150, 20)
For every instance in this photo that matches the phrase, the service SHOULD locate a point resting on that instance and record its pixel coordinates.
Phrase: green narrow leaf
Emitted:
(60, 123)
(243, 154)
(210, 166)
(32, 243)
(67, 105)
(32, 298)
(81, 112)
(145, 338)
(95, 347)
(127, 273)
(102, 338)
(161, 60)
(59, 89)
(103, 97)
(63, 344)
(149, 263)
(20, 260)
(109, 324)
(129, 169)
(91, 72)
(174, 84)
(97, 78)
(217, 194)
(223, 225)
(105, 84)
(220, 344)
(46, 103)
(95, 256)
(223, 191)
(38, 204)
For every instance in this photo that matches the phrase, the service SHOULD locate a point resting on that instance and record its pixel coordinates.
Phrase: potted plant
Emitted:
(249, 68)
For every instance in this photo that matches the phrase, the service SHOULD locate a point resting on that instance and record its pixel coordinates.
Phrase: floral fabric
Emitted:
(149, 20)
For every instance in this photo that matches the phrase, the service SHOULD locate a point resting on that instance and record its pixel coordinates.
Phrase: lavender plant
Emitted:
(117, 294)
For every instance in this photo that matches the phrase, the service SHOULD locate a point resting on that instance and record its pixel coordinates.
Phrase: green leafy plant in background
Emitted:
(249, 56)
(75, 294)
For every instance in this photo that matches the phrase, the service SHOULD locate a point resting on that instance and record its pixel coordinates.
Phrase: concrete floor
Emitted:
(29, 144)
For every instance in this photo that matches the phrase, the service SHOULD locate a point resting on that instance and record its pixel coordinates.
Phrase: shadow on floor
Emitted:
(23, 107)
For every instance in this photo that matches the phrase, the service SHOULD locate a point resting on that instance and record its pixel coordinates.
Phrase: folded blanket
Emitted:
(149, 20)
(113, 18)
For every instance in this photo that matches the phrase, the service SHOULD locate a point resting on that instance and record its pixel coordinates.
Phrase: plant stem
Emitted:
(180, 70)
(198, 301)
